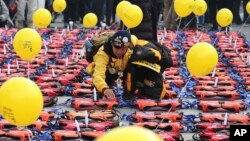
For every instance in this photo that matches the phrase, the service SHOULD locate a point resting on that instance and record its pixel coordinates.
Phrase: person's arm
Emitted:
(5, 12)
(101, 60)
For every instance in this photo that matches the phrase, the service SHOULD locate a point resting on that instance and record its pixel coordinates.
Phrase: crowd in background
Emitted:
(105, 10)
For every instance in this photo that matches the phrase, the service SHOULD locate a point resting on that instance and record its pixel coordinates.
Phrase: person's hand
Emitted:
(2, 18)
(109, 93)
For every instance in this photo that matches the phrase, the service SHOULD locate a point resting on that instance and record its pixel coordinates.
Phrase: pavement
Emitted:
(244, 28)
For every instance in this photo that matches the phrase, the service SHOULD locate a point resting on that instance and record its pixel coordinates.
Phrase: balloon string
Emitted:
(28, 71)
(216, 37)
(184, 88)
(163, 118)
(197, 22)
(227, 28)
(178, 26)
(197, 31)
(169, 11)
(123, 26)
(244, 23)
(189, 23)
(29, 137)
(128, 29)
(25, 128)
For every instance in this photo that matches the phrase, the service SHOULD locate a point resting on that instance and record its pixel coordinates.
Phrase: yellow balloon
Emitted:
(120, 8)
(21, 101)
(59, 5)
(201, 59)
(248, 7)
(130, 133)
(89, 20)
(224, 17)
(27, 43)
(200, 7)
(183, 8)
(132, 16)
(41, 18)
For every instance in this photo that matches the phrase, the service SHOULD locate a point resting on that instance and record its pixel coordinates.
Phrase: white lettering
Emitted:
(237, 132)
(240, 132)
(243, 131)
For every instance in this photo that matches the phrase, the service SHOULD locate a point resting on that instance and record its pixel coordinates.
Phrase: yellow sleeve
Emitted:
(101, 60)
(141, 42)
(157, 54)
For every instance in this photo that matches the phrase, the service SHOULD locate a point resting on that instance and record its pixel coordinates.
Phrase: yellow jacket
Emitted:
(102, 62)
